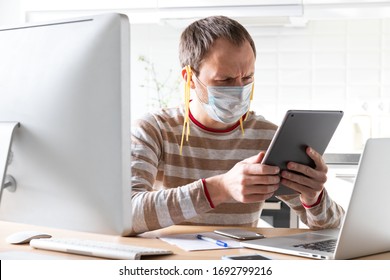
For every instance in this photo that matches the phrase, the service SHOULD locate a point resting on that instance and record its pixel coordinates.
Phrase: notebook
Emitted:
(366, 226)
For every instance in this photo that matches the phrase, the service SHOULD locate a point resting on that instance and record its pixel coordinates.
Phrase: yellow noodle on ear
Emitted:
(242, 126)
(186, 124)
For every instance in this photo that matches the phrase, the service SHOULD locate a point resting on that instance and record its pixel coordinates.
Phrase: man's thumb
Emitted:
(257, 158)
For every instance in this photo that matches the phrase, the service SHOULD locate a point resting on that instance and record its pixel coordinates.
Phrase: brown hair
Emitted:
(197, 39)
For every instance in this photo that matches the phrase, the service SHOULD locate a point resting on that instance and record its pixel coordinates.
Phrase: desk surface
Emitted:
(149, 239)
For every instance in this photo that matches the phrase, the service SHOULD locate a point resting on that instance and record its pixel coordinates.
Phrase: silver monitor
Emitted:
(67, 86)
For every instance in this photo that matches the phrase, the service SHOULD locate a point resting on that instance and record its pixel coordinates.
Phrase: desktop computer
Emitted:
(65, 124)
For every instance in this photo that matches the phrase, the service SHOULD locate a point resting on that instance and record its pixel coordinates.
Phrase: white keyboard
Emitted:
(96, 248)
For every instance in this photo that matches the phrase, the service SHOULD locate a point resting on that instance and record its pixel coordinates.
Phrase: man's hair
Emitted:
(197, 39)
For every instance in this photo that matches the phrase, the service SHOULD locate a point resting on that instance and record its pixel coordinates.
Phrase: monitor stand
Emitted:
(6, 133)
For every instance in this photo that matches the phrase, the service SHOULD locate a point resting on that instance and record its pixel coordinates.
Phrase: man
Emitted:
(201, 164)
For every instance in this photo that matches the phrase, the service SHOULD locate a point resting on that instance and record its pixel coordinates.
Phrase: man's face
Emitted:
(227, 65)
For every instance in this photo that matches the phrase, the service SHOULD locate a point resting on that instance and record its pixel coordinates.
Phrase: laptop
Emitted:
(366, 226)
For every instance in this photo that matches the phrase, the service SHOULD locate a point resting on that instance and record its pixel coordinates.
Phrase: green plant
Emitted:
(164, 90)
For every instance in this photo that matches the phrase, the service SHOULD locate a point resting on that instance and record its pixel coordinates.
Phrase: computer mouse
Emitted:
(24, 237)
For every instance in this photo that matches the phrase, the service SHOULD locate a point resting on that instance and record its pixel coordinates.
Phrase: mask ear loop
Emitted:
(247, 113)
(186, 124)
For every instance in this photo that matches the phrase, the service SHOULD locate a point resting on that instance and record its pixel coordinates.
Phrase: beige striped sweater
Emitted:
(167, 188)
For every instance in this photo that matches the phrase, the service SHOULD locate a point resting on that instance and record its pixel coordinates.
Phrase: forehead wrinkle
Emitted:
(226, 60)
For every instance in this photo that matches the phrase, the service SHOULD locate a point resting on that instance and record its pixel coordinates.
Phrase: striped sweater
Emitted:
(167, 188)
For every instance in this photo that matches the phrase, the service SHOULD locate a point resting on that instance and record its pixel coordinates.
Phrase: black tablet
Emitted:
(300, 129)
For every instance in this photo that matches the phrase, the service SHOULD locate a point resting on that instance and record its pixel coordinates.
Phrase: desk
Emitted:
(149, 239)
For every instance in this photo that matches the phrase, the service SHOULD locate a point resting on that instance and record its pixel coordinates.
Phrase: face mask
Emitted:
(234, 94)
(227, 104)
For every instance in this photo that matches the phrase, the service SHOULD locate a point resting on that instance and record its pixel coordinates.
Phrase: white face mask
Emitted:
(227, 104)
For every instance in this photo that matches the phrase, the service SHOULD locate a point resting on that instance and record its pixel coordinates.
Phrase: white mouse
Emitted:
(24, 237)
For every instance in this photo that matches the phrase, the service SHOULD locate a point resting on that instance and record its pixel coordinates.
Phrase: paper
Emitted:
(189, 241)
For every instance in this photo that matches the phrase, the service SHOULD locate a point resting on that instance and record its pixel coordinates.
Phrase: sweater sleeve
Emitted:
(326, 214)
(155, 207)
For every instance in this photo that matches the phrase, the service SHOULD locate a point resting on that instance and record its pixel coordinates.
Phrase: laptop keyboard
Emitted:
(325, 246)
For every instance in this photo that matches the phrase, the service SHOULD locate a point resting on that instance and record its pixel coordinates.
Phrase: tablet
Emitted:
(300, 129)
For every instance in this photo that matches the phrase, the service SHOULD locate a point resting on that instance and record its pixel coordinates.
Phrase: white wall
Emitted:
(10, 12)
(341, 64)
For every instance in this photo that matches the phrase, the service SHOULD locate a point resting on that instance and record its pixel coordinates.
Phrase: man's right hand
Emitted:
(248, 181)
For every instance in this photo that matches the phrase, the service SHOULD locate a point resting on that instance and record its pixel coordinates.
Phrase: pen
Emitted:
(218, 242)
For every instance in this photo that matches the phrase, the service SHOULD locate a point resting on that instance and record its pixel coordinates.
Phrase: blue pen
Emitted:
(218, 242)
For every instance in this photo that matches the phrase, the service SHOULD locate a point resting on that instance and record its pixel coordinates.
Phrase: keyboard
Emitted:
(325, 246)
(99, 249)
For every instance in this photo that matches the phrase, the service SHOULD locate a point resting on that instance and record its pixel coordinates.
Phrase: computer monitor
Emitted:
(67, 84)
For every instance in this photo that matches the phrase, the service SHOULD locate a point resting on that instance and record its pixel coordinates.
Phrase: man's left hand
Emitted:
(310, 182)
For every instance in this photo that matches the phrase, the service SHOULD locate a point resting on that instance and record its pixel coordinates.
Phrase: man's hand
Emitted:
(310, 182)
(248, 181)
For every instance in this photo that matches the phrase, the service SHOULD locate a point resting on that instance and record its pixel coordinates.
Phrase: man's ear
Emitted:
(184, 75)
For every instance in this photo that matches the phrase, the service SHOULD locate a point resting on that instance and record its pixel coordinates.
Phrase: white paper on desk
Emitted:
(189, 241)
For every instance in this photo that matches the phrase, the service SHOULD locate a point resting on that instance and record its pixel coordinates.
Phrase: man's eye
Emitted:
(227, 80)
